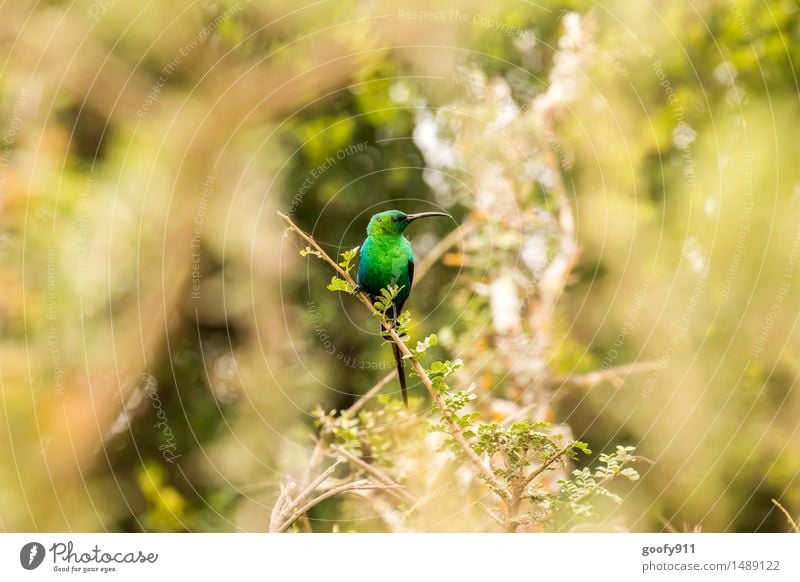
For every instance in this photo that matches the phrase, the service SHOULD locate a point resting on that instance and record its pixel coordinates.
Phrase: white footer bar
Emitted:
(388, 558)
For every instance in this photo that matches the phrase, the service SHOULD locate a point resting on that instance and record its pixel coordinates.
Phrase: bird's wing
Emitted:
(410, 273)
(361, 262)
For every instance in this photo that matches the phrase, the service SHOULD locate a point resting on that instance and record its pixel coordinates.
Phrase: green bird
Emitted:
(386, 258)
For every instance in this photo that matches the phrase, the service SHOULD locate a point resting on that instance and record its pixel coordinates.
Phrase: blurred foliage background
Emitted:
(163, 344)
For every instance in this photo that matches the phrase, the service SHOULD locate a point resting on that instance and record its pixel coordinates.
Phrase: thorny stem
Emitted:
(484, 470)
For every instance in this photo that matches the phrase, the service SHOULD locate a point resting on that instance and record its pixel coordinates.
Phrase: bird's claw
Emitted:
(357, 289)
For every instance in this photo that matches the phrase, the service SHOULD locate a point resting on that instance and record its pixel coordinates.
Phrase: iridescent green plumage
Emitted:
(385, 259)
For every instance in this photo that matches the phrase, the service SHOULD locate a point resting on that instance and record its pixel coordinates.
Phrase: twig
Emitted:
(605, 480)
(316, 482)
(313, 462)
(280, 503)
(369, 394)
(316, 457)
(382, 477)
(667, 525)
(795, 524)
(521, 482)
(600, 485)
(545, 465)
(350, 486)
(443, 245)
(491, 514)
(389, 514)
(613, 374)
(484, 471)
(290, 506)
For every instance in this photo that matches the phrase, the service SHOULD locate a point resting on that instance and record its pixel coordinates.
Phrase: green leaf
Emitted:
(423, 345)
(439, 384)
(341, 285)
(630, 473)
(583, 447)
(347, 259)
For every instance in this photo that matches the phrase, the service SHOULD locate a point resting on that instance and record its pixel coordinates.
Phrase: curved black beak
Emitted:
(413, 217)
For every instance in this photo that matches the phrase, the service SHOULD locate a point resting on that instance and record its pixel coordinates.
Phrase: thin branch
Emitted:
(667, 525)
(382, 477)
(599, 485)
(545, 465)
(491, 514)
(442, 246)
(369, 394)
(316, 457)
(795, 524)
(316, 482)
(280, 503)
(608, 478)
(305, 494)
(314, 461)
(350, 486)
(388, 513)
(484, 470)
(614, 374)
(455, 431)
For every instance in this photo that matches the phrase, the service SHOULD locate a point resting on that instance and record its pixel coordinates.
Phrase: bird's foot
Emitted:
(357, 289)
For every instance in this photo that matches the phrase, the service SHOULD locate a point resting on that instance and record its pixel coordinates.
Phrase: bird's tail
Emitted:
(398, 358)
(400, 373)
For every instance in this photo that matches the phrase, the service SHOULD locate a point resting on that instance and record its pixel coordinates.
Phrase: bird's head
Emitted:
(395, 222)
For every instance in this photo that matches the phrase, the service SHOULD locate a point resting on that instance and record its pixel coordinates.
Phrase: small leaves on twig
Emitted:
(347, 259)
(384, 303)
(340, 285)
(423, 345)
(309, 251)
(584, 484)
